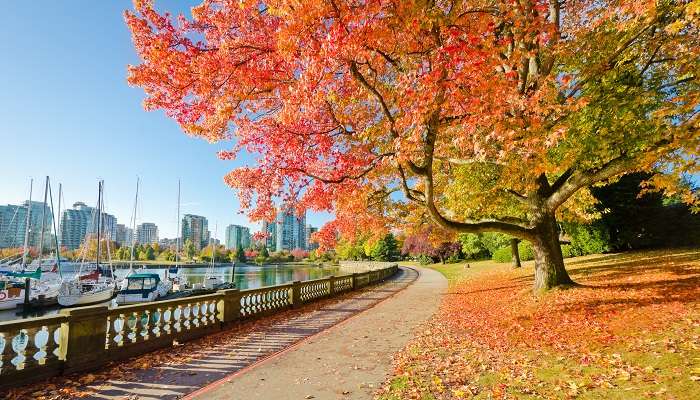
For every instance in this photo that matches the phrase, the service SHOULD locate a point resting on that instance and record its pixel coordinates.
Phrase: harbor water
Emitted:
(244, 276)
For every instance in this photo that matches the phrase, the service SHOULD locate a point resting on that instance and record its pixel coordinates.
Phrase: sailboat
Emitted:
(177, 282)
(94, 287)
(42, 287)
(143, 286)
(212, 281)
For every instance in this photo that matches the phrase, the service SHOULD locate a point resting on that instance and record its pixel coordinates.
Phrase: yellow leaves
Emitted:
(693, 8)
(675, 27)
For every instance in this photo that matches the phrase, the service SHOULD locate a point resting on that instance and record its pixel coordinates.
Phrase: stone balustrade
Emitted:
(84, 338)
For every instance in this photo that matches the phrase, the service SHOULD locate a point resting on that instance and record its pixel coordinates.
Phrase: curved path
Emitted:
(348, 361)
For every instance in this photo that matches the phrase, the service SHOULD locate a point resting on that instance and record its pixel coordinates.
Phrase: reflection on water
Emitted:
(244, 276)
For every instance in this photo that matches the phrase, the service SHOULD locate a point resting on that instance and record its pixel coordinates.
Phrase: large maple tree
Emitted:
(485, 115)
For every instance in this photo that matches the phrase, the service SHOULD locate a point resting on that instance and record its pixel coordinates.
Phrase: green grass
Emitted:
(460, 271)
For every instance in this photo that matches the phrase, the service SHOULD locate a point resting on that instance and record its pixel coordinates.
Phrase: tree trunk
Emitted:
(515, 252)
(549, 261)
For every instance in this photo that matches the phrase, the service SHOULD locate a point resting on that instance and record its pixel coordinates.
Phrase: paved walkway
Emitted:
(358, 348)
(347, 361)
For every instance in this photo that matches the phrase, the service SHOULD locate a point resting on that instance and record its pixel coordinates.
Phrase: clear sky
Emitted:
(67, 112)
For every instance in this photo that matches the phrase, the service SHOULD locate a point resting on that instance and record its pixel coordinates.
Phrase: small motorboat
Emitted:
(142, 287)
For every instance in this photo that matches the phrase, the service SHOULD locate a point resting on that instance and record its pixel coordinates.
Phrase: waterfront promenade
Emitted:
(352, 337)
(348, 361)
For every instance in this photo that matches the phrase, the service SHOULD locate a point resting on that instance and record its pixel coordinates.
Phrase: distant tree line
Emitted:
(630, 218)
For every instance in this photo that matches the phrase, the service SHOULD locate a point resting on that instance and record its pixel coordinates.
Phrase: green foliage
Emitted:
(386, 249)
(240, 255)
(505, 254)
(264, 253)
(190, 250)
(347, 250)
(586, 239)
(568, 250)
(424, 260)
(482, 245)
(633, 220)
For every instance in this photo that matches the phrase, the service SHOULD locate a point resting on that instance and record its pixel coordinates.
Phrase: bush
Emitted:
(568, 250)
(587, 239)
(424, 260)
(482, 245)
(504, 253)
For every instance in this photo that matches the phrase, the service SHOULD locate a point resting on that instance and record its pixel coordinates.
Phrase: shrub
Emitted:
(587, 239)
(568, 250)
(504, 253)
(424, 260)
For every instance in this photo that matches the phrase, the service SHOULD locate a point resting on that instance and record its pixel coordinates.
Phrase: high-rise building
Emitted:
(195, 228)
(80, 221)
(124, 235)
(168, 243)
(310, 230)
(270, 231)
(13, 220)
(237, 237)
(290, 230)
(146, 233)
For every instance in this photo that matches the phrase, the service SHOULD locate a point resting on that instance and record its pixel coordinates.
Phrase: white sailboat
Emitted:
(211, 280)
(177, 282)
(143, 286)
(94, 287)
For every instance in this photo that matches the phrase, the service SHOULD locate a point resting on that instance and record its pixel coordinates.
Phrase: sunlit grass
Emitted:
(630, 331)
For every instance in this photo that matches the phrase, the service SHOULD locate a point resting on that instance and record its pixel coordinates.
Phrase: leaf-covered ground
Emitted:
(632, 331)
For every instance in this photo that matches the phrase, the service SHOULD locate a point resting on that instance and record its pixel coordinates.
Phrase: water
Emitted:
(244, 276)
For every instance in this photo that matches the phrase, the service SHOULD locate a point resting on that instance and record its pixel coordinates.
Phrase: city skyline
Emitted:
(68, 112)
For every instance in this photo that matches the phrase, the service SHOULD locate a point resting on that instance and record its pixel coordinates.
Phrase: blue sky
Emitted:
(67, 112)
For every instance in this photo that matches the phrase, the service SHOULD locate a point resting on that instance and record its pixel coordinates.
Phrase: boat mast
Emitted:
(55, 231)
(43, 221)
(99, 221)
(26, 225)
(133, 225)
(60, 194)
(177, 245)
(211, 243)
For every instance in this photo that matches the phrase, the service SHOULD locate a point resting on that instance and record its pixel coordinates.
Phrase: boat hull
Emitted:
(9, 303)
(85, 298)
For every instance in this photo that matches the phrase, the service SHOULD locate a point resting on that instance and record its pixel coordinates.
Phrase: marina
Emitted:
(243, 276)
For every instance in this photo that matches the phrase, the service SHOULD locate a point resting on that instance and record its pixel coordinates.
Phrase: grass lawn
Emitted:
(631, 331)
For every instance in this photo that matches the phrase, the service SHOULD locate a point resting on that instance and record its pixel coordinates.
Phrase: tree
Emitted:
(150, 253)
(417, 245)
(264, 252)
(386, 249)
(240, 255)
(486, 116)
(190, 250)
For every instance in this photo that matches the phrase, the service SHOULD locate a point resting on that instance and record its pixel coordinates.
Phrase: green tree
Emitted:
(190, 250)
(240, 255)
(386, 249)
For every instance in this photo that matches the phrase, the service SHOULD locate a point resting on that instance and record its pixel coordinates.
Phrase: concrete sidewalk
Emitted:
(347, 361)
(207, 364)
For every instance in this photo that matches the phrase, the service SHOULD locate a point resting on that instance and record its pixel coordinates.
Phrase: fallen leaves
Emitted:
(633, 326)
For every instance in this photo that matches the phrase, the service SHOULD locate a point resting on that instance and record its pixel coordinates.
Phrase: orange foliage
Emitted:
(495, 326)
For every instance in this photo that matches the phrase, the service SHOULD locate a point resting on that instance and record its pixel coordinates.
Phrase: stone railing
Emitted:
(364, 266)
(83, 338)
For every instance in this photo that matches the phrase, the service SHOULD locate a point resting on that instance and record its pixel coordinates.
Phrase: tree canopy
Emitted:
(484, 115)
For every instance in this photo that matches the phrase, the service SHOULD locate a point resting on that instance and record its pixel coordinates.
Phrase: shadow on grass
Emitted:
(618, 266)
(679, 283)
(490, 289)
